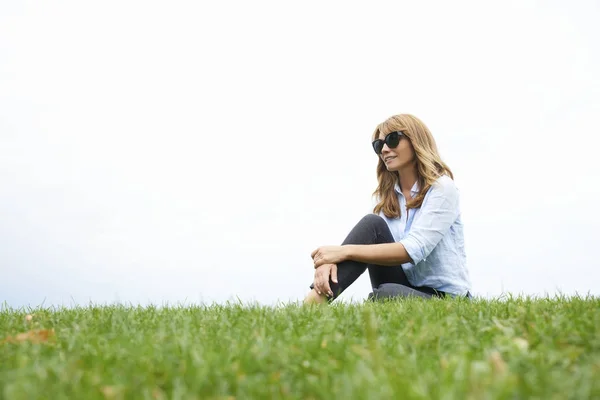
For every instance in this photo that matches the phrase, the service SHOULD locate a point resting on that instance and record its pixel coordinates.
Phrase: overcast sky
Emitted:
(184, 152)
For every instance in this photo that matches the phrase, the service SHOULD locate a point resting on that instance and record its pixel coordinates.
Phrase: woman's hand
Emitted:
(329, 255)
(321, 282)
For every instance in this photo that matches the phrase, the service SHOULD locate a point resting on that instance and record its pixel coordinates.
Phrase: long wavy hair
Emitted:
(427, 159)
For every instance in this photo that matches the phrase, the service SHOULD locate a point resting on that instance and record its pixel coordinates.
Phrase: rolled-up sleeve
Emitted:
(440, 209)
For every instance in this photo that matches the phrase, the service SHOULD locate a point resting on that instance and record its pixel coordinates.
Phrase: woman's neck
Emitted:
(407, 178)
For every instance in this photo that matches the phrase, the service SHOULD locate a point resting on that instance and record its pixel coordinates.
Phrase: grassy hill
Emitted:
(408, 349)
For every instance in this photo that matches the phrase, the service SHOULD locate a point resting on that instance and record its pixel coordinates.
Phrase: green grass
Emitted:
(408, 349)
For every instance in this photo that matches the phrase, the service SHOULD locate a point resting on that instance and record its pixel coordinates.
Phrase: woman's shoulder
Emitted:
(446, 187)
(445, 181)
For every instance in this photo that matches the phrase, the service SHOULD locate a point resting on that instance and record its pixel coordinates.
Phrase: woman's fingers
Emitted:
(317, 260)
(322, 281)
(323, 284)
(317, 282)
(334, 273)
(319, 285)
(314, 253)
(325, 281)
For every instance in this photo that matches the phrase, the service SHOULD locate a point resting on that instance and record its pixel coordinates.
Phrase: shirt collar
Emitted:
(414, 190)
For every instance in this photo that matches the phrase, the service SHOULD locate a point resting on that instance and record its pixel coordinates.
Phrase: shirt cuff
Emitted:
(414, 250)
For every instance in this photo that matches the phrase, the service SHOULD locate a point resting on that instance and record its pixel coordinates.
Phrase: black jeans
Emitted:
(386, 281)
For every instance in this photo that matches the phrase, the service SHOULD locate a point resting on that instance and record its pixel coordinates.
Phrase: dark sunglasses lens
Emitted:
(392, 140)
(378, 146)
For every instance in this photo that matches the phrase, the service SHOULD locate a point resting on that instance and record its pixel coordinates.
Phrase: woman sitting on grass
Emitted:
(413, 242)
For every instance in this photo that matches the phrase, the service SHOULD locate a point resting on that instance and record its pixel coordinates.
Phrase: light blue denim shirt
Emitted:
(433, 238)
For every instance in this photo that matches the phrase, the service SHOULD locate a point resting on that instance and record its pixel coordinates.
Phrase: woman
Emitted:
(412, 244)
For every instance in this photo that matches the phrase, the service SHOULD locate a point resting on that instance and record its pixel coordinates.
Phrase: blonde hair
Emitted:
(428, 162)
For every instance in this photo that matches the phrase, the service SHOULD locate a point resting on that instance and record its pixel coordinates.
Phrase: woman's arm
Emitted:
(440, 209)
(390, 254)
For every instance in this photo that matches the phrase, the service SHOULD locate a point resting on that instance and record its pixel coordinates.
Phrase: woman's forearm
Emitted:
(389, 254)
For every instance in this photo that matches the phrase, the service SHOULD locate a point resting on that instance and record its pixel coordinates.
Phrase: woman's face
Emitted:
(400, 157)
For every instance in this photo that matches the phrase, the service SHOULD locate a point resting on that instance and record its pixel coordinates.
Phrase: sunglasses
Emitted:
(392, 140)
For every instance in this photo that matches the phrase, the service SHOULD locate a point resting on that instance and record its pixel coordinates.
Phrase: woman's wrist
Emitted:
(349, 251)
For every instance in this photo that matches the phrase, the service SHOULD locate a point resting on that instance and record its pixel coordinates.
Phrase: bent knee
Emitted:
(372, 219)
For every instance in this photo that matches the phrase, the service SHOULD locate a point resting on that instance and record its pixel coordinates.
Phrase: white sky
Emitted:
(179, 152)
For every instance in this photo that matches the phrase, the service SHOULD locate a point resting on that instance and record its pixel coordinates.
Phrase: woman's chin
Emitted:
(392, 167)
(396, 165)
